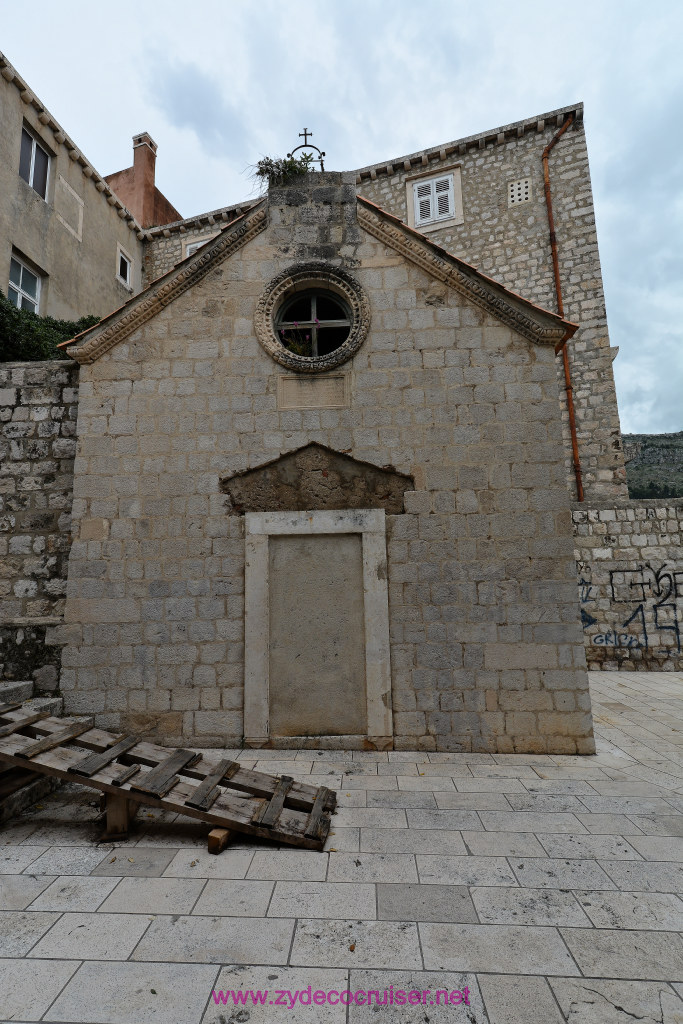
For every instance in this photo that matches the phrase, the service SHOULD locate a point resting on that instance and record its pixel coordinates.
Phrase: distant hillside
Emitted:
(654, 465)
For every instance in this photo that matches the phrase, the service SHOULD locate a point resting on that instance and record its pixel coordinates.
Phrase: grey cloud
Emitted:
(191, 98)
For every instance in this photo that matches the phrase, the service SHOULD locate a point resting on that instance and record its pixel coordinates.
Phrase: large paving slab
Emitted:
(549, 887)
(597, 1001)
(132, 993)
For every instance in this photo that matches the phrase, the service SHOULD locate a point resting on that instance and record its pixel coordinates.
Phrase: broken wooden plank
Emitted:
(21, 723)
(301, 796)
(207, 792)
(6, 708)
(125, 775)
(316, 822)
(232, 798)
(269, 813)
(55, 740)
(93, 763)
(157, 781)
(251, 783)
(231, 810)
(218, 839)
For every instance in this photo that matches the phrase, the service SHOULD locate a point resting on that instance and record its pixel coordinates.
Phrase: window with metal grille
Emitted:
(24, 286)
(34, 163)
(519, 191)
(313, 323)
(434, 200)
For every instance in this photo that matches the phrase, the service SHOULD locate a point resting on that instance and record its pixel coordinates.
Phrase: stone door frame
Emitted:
(371, 525)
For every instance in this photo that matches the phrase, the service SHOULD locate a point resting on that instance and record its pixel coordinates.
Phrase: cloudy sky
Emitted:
(219, 83)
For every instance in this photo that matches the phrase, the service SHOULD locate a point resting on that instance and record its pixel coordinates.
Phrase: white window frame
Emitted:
(450, 177)
(192, 244)
(40, 145)
(121, 252)
(18, 289)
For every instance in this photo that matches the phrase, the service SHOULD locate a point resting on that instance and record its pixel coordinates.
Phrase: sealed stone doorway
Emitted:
(317, 667)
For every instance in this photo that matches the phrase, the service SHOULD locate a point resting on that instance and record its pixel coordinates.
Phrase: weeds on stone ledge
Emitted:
(280, 171)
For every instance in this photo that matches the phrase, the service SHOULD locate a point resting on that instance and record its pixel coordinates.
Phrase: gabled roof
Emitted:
(91, 344)
(537, 324)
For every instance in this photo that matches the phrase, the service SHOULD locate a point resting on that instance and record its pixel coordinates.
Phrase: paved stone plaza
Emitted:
(549, 886)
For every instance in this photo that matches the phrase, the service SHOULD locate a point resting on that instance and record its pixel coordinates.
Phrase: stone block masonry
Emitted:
(38, 407)
(629, 556)
(486, 646)
(510, 243)
(630, 571)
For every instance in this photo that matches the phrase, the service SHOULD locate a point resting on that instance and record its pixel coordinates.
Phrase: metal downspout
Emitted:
(560, 307)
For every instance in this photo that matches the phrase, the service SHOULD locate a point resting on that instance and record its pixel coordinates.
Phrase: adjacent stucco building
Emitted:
(69, 245)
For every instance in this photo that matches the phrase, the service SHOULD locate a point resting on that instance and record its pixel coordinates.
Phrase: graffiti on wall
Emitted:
(643, 606)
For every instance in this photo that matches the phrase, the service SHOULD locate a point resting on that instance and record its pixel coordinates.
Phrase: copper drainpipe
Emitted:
(560, 307)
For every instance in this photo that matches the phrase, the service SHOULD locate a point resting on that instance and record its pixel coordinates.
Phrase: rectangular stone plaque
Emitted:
(317, 655)
(69, 208)
(317, 635)
(304, 392)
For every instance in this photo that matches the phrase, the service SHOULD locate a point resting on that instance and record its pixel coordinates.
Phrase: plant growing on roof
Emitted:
(280, 171)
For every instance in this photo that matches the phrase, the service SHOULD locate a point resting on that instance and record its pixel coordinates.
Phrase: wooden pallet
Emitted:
(131, 772)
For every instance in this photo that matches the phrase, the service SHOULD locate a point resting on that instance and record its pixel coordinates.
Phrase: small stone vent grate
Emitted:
(519, 191)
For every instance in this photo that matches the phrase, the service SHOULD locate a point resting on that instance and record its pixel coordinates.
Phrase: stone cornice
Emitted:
(493, 137)
(188, 225)
(114, 329)
(538, 325)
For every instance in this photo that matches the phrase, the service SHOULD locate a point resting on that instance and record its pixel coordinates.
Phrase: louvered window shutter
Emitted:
(424, 200)
(443, 188)
(434, 200)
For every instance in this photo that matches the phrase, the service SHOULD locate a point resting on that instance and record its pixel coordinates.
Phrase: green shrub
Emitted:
(27, 336)
(282, 171)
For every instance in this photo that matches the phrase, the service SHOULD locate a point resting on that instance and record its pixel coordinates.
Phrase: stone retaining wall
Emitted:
(630, 570)
(38, 407)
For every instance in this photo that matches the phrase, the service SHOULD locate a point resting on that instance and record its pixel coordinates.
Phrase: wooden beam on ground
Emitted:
(207, 792)
(218, 839)
(120, 814)
(55, 740)
(93, 763)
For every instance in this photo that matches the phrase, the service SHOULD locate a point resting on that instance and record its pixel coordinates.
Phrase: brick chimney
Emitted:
(144, 164)
(136, 189)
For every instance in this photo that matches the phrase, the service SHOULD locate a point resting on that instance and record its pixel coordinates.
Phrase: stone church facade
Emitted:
(434, 454)
(367, 547)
